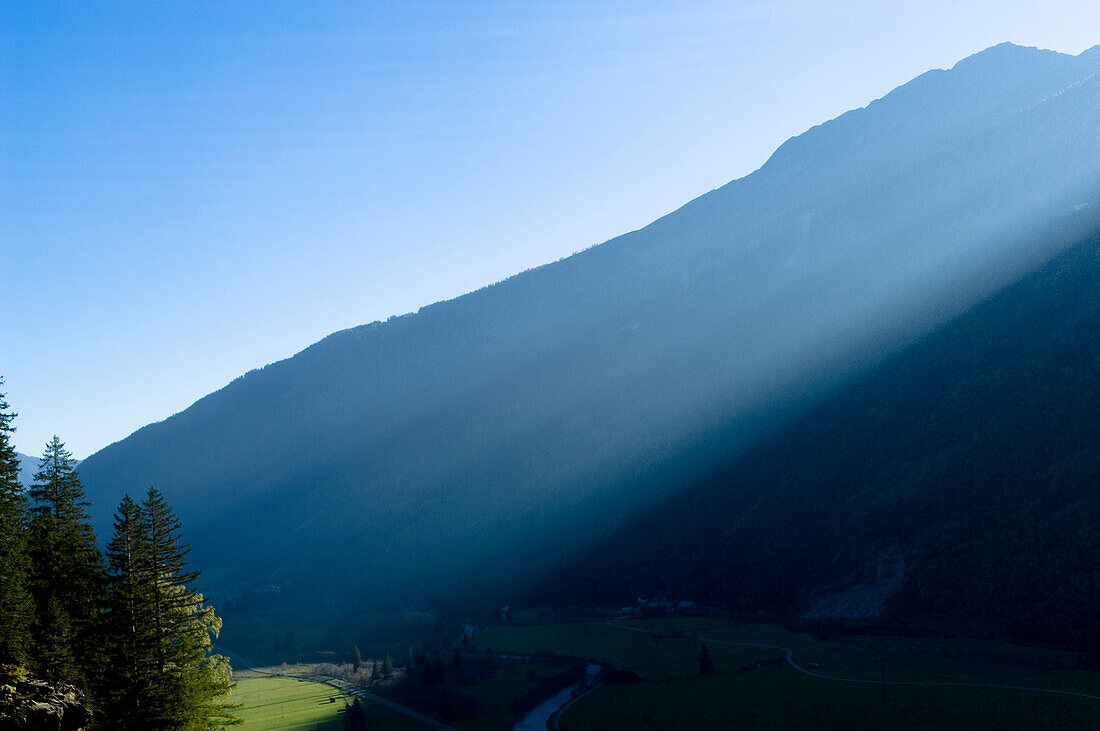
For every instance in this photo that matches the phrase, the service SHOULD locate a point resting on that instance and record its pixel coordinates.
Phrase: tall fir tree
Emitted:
(168, 555)
(706, 664)
(67, 575)
(193, 683)
(16, 608)
(161, 671)
(130, 670)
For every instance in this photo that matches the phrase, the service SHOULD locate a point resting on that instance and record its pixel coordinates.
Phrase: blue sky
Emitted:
(192, 190)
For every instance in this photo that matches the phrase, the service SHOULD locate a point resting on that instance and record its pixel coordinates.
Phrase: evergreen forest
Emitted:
(119, 639)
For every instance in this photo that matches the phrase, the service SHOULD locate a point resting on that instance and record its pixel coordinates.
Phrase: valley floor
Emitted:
(757, 687)
(764, 676)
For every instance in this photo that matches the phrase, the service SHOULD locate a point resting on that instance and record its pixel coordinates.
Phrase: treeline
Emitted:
(123, 634)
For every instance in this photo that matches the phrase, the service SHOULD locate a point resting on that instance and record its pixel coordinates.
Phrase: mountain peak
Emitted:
(1006, 55)
(1004, 78)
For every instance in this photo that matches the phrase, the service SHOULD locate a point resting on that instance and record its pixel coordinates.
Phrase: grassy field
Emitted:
(287, 703)
(674, 696)
(654, 660)
(780, 698)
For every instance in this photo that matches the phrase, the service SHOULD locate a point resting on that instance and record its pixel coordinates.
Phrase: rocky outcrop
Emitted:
(37, 705)
(861, 599)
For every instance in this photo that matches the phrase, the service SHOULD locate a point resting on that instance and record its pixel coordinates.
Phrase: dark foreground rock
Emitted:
(37, 705)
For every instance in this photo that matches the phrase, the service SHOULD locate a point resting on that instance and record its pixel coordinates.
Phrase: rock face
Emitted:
(38, 705)
(864, 599)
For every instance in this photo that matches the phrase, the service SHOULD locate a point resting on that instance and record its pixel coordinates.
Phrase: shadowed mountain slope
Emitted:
(959, 485)
(455, 447)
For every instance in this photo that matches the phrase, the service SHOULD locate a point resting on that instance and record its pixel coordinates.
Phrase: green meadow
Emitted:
(302, 705)
(673, 695)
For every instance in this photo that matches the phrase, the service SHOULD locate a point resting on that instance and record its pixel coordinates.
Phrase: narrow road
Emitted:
(558, 713)
(820, 676)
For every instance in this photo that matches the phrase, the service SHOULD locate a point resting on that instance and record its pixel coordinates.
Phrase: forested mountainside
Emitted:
(447, 450)
(958, 485)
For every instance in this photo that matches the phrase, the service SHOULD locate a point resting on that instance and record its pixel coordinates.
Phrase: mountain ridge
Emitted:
(773, 159)
(482, 425)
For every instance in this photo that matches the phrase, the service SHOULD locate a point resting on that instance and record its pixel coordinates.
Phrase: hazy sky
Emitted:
(192, 190)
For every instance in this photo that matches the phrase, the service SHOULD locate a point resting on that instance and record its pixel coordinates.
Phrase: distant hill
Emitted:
(27, 467)
(957, 485)
(475, 445)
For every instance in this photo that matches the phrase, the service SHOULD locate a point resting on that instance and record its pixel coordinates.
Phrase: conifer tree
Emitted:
(357, 717)
(130, 665)
(706, 665)
(169, 557)
(67, 576)
(446, 708)
(16, 609)
(192, 684)
(161, 671)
